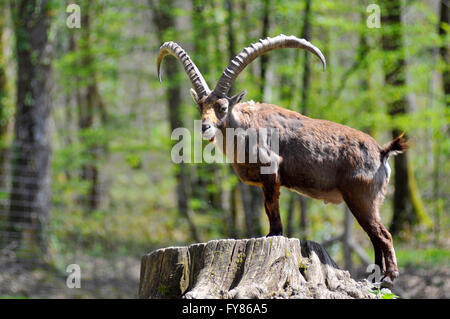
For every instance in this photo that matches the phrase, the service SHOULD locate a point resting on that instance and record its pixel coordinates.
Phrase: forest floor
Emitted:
(121, 280)
(424, 283)
(418, 282)
(105, 279)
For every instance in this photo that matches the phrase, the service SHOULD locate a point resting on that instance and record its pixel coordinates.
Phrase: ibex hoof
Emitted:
(275, 233)
(388, 280)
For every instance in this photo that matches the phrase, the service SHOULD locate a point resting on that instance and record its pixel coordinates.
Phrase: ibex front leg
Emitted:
(271, 190)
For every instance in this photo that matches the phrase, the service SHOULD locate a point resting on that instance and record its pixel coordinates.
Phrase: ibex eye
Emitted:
(223, 108)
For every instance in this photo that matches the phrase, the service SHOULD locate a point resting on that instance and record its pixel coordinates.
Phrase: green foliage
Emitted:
(384, 294)
(423, 257)
(138, 178)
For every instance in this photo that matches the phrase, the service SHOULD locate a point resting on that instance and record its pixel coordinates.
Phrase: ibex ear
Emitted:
(194, 95)
(238, 97)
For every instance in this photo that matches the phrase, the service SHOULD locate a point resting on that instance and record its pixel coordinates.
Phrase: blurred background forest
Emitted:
(86, 175)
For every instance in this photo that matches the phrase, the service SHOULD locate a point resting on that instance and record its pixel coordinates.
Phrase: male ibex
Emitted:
(317, 158)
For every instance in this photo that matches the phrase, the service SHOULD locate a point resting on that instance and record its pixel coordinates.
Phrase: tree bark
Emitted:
(304, 103)
(252, 201)
(290, 215)
(246, 25)
(4, 116)
(347, 239)
(444, 51)
(90, 107)
(264, 59)
(306, 77)
(30, 199)
(164, 20)
(269, 267)
(405, 214)
(5, 119)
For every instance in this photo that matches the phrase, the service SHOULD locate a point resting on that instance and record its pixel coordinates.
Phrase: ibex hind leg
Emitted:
(365, 208)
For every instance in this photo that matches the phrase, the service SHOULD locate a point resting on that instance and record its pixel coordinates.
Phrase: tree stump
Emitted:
(268, 267)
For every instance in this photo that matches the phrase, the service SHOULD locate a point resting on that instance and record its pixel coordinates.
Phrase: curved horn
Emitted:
(197, 80)
(253, 51)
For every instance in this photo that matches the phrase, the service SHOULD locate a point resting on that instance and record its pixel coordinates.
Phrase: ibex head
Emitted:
(214, 110)
(216, 105)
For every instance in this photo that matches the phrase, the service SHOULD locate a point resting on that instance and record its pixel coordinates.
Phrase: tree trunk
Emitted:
(4, 117)
(246, 27)
(69, 107)
(444, 50)
(234, 200)
(348, 239)
(252, 201)
(290, 215)
(405, 212)
(30, 199)
(306, 78)
(264, 59)
(182, 173)
(269, 267)
(304, 203)
(444, 53)
(304, 103)
(164, 20)
(364, 83)
(90, 105)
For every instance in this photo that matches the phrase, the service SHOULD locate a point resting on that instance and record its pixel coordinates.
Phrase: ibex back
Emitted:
(317, 158)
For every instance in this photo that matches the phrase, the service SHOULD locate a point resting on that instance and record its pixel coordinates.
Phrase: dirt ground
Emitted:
(101, 279)
(423, 283)
(121, 280)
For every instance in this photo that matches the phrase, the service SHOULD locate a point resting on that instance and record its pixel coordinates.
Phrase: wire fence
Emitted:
(102, 222)
(49, 222)
(38, 241)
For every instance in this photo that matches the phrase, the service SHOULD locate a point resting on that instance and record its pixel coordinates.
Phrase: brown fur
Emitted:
(320, 159)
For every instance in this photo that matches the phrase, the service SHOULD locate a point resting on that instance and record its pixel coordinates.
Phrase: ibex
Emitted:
(317, 158)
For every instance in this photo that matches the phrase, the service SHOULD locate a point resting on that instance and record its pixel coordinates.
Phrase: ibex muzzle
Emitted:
(317, 158)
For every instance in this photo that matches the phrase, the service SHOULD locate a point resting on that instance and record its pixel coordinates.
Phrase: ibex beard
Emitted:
(317, 158)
